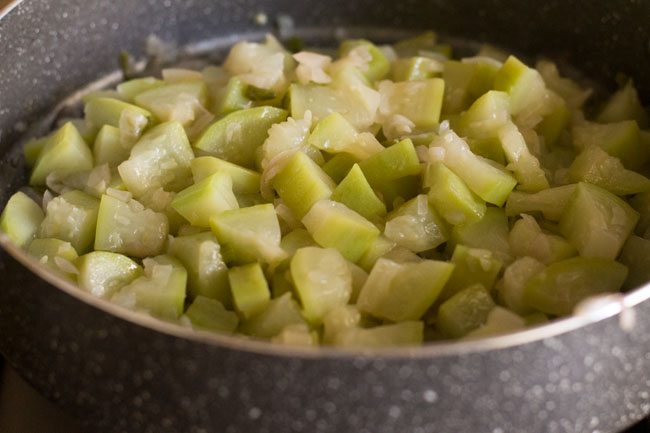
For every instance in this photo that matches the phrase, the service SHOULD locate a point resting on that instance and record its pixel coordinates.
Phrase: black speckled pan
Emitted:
(120, 372)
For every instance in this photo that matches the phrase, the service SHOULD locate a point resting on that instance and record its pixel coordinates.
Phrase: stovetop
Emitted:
(23, 410)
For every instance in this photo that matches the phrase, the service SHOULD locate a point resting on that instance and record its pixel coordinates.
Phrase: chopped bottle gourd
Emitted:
(369, 197)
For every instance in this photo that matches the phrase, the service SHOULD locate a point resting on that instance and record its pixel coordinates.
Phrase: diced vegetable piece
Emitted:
(597, 222)
(132, 88)
(108, 148)
(56, 254)
(399, 292)
(334, 134)
(524, 85)
(237, 136)
(249, 234)
(489, 182)
(569, 90)
(415, 68)
(103, 274)
(160, 159)
(203, 200)
(301, 183)
(636, 256)
(109, 111)
(451, 197)
(515, 278)
(210, 314)
(399, 334)
(597, 167)
(333, 225)
(232, 97)
(464, 312)
(177, 102)
(641, 204)
(621, 139)
(296, 239)
(33, 148)
(65, 152)
(489, 233)
(129, 228)
(339, 320)
(487, 115)
(323, 281)
(554, 123)
(71, 217)
(394, 162)
(528, 239)
(355, 192)
(416, 226)
(296, 335)
(395, 192)
(160, 291)
(244, 181)
(499, 321)
(338, 166)
(562, 285)
(551, 202)
(418, 101)
(624, 105)
(489, 148)
(471, 266)
(425, 41)
(377, 67)
(21, 219)
(250, 291)
(378, 248)
(280, 313)
(526, 167)
(356, 101)
(207, 274)
(457, 76)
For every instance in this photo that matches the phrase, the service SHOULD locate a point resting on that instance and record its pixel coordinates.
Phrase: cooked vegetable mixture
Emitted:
(387, 196)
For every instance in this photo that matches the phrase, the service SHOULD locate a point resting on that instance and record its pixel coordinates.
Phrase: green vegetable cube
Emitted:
(249, 234)
(597, 167)
(620, 139)
(408, 333)
(211, 315)
(127, 227)
(280, 313)
(301, 183)
(338, 166)
(624, 105)
(526, 167)
(109, 111)
(394, 162)
(71, 217)
(489, 233)
(108, 148)
(232, 97)
(250, 291)
(400, 292)
(355, 192)
(333, 225)
(176, 102)
(339, 320)
(56, 254)
(203, 200)
(33, 148)
(489, 182)
(207, 274)
(322, 279)
(296, 335)
(378, 67)
(451, 197)
(334, 134)
(160, 291)
(499, 321)
(414, 68)
(597, 222)
(552, 202)
(160, 159)
(515, 277)
(487, 115)
(528, 239)
(244, 181)
(237, 136)
(416, 226)
(562, 285)
(21, 219)
(128, 90)
(418, 101)
(103, 273)
(525, 85)
(378, 248)
(64, 152)
(464, 312)
(472, 266)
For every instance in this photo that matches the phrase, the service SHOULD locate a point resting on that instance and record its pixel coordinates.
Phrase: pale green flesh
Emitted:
(385, 196)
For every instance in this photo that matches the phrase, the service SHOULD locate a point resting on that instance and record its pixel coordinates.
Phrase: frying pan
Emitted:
(117, 371)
